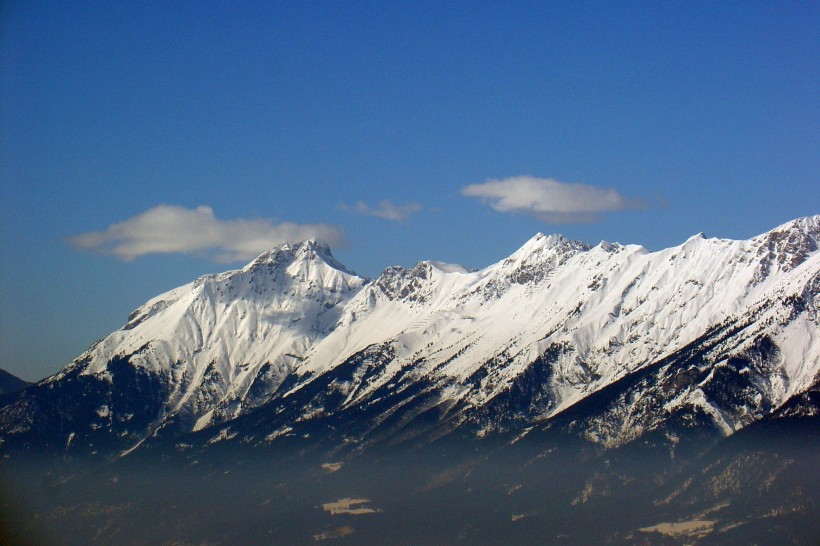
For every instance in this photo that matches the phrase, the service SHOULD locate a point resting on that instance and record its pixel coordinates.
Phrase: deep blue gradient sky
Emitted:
(699, 116)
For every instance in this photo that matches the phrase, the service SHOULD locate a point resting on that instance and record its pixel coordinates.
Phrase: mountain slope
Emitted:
(611, 341)
(10, 383)
(198, 353)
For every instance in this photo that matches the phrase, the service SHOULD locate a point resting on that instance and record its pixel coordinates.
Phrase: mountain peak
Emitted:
(790, 244)
(314, 245)
(308, 252)
(700, 236)
(809, 225)
(314, 250)
(540, 255)
(542, 245)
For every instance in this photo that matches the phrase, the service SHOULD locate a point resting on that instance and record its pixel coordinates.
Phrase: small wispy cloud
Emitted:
(171, 229)
(385, 209)
(549, 200)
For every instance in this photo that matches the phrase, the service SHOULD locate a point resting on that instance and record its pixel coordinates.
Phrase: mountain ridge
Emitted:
(296, 333)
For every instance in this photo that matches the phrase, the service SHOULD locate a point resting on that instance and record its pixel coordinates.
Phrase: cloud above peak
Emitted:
(385, 209)
(549, 200)
(171, 229)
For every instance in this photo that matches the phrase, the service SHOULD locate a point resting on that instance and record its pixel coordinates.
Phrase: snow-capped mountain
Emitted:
(611, 341)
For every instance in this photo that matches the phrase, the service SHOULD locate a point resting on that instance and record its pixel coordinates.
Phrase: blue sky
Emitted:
(143, 144)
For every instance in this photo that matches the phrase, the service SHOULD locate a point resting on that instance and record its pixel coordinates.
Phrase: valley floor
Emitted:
(759, 490)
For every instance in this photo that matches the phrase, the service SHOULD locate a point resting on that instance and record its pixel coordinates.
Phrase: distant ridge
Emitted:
(10, 383)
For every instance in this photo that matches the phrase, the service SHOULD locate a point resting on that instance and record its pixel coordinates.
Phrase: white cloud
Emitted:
(549, 200)
(170, 229)
(385, 209)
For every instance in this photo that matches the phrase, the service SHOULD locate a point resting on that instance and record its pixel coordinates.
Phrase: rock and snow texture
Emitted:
(718, 331)
(225, 342)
